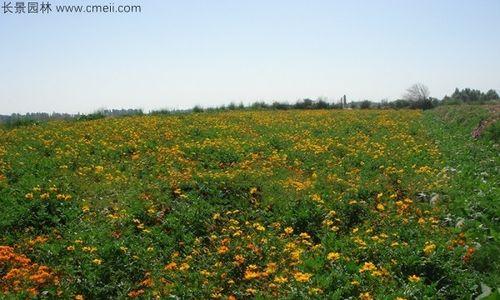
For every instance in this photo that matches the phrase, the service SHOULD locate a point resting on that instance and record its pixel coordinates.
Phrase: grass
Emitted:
(473, 189)
(264, 204)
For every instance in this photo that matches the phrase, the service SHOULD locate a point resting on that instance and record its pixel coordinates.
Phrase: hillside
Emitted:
(397, 204)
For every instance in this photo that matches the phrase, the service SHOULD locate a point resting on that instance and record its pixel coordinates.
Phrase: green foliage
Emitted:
(19, 122)
(472, 165)
(365, 104)
(90, 117)
(468, 95)
(492, 132)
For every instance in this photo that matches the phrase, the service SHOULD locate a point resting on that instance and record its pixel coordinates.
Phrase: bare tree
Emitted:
(417, 92)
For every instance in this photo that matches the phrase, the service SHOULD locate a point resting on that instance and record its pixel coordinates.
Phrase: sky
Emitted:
(177, 54)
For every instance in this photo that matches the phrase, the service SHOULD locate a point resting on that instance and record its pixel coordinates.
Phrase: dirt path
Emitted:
(494, 110)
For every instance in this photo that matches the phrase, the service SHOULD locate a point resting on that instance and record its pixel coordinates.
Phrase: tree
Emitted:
(472, 95)
(417, 92)
(322, 103)
(491, 95)
(365, 104)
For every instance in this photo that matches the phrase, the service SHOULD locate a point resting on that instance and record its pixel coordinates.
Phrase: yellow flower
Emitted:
(184, 267)
(251, 272)
(414, 278)
(280, 279)
(333, 256)
(85, 208)
(429, 248)
(289, 230)
(70, 248)
(271, 268)
(259, 227)
(89, 249)
(365, 296)
(251, 291)
(295, 255)
(239, 259)
(315, 291)
(29, 196)
(305, 235)
(380, 207)
(367, 266)
(97, 261)
(302, 277)
(316, 198)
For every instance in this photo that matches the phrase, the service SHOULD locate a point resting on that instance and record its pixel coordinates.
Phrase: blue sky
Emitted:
(177, 54)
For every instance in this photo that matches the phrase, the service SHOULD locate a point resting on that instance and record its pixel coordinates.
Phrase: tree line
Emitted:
(416, 97)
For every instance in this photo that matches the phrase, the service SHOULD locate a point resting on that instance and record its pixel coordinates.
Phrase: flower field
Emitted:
(243, 204)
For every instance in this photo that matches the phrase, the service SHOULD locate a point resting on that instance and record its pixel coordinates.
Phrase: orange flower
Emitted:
(468, 254)
(171, 266)
(136, 293)
(222, 249)
(22, 273)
